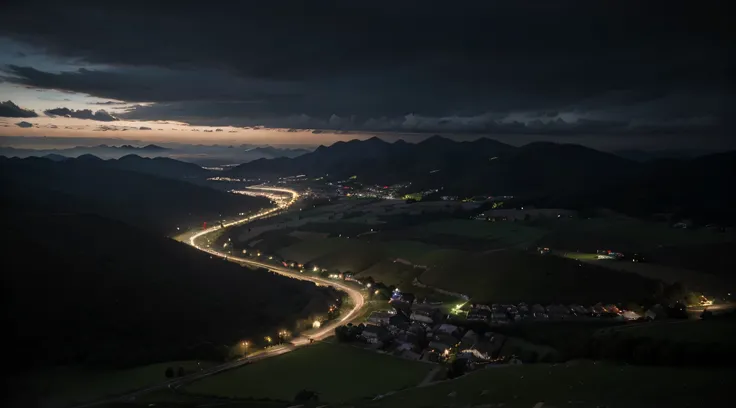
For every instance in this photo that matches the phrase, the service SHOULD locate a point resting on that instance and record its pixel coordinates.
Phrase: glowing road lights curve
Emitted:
(318, 333)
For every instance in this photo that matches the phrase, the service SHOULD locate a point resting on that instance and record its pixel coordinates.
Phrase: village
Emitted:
(470, 335)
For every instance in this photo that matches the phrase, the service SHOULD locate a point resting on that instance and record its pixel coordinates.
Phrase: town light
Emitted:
(316, 324)
(368, 285)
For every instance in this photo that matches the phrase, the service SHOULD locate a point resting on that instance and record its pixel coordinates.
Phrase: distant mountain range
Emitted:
(270, 152)
(139, 191)
(560, 174)
(157, 166)
(649, 155)
(76, 151)
(483, 166)
(204, 155)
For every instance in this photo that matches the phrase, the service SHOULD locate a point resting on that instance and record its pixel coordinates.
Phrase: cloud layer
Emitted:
(10, 110)
(553, 68)
(100, 115)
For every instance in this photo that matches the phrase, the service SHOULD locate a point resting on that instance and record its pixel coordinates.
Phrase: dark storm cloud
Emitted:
(10, 110)
(107, 103)
(100, 115)
(480, 66)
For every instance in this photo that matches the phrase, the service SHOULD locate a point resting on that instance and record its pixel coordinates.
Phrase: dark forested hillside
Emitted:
(539, 173)
(87, 185)
(88, 290)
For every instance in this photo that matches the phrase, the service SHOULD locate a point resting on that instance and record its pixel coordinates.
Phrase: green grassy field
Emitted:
(499, 276)
(69, 385)
(357, 254)
(714, 258)
(717, 331)
(700, 281)
(416, 252)
(568, 338)
(624, 235)
(572, 385)
(337, 372)
(514, 276)
(309, 250)
(508, 233)
(392, 273)
(525, 350)
(468, 256)
(583, 256)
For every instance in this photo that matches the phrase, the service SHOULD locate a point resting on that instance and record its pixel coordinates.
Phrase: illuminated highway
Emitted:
(315, 334)
(325, 331)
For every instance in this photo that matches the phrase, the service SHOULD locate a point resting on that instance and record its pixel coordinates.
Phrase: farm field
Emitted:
(621, 234)
(716, 331)
(509, 233)
(576, 384)
(358, 254)
(484, 259)
(338, 373)
(392, 273)
(699, 281)
(714, 258)
(515, 276)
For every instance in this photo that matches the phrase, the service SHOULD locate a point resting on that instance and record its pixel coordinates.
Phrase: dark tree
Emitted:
(457, 368)
(180, 372)
(678, 311)
(341, 333)
(169, 372)
(305, 396)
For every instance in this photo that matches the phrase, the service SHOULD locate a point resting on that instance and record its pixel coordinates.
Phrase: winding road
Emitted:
(317, 334)
(325, 331)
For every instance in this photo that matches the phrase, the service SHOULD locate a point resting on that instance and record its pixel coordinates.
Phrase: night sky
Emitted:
(602, 73)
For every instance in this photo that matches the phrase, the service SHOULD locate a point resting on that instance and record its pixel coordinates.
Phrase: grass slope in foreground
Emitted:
(65, 386)
(337, 373)
(582, 384)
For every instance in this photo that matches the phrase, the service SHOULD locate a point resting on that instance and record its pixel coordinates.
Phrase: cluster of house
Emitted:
(420, 331)
(424, 335)
(504, 314)
(413, 336)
